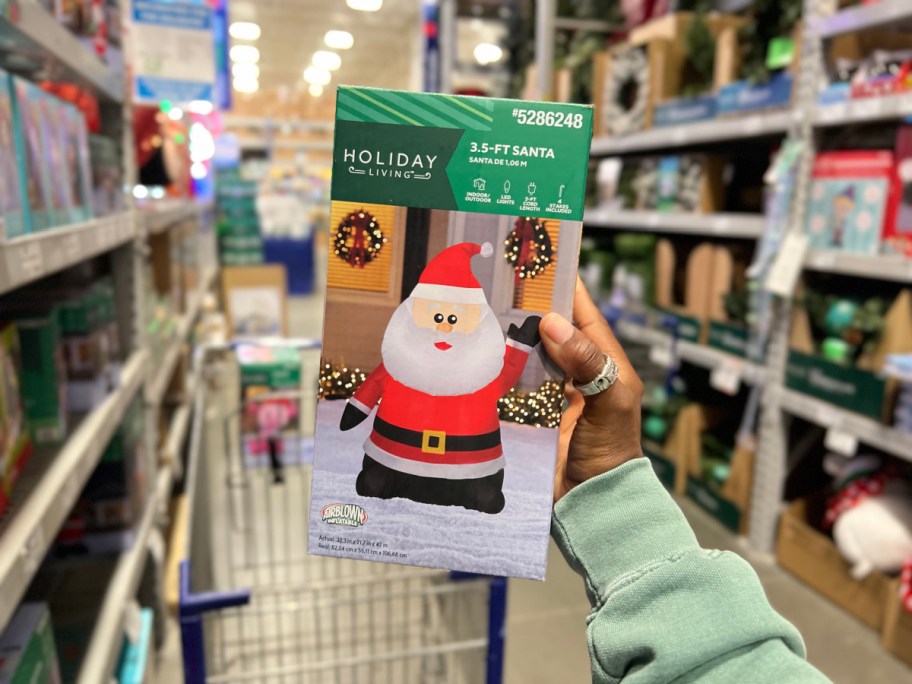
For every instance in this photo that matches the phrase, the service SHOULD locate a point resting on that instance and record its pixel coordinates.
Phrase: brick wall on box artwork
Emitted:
(535, 294)
(374, 276)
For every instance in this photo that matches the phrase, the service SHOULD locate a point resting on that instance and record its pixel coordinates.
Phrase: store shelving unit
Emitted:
(722, 225)
(801, 121)
(161, 215)
(50, 485)
(30, 257)
(41, 45)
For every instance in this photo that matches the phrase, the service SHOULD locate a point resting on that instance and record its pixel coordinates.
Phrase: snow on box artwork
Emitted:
(455, 225)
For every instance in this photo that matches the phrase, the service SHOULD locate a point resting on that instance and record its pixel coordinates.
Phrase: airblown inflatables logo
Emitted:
(351, 515)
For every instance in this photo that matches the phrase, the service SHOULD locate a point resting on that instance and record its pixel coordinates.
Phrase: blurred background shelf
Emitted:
(723, 225)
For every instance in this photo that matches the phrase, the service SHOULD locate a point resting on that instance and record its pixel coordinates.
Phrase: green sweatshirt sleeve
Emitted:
(663, 609)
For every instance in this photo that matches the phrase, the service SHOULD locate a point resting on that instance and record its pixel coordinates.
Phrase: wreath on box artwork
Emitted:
(626, 92)
(358, 239)
(528, 248)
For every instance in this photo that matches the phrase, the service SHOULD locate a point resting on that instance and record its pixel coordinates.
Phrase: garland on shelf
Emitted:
(358, 239)
(626, 92)
(529, 249)
(541, 407)
(339, 382)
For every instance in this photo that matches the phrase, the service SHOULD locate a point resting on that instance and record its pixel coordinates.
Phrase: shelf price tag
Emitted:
(841, 442)
(31, 260)
(726, 377)
(661, 354)
(33, 553)
(132, 621)
(784, 273)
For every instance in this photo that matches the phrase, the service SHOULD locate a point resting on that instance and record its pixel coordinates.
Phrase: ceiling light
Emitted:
(244, 30)
(198, 170)
(244, 54)
(327, 60)
(315, 90)
(246, 85)
(316, 75)
(338, 40)
(365, 5)
(487, 53)
(245, 71)
(203, 107)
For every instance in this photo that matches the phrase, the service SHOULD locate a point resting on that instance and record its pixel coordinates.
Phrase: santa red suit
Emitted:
(436, 434)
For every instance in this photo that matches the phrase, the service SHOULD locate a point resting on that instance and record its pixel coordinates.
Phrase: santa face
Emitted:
(442, 348)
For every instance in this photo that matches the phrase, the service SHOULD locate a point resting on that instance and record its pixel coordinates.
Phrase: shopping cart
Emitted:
(254, 607)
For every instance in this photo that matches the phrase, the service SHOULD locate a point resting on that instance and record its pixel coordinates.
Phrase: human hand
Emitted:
(602, 431)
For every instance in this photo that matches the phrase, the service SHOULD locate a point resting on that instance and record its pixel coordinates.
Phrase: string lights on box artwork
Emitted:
(339, 382)
(528, 248)
(541, 407)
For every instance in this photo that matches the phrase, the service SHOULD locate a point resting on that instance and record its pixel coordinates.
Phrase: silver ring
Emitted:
(605, 379)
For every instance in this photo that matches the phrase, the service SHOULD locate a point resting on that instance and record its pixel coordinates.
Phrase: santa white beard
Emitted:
(473, 360)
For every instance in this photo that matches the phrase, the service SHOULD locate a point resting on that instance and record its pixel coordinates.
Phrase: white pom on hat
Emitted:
(487, 249)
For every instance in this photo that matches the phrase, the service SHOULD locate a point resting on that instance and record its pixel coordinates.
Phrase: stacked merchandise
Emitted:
(28, 652)
(47, 176)
(237, 221)
(96, 23)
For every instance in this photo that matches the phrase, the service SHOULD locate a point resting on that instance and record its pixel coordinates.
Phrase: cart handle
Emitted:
(191, 604)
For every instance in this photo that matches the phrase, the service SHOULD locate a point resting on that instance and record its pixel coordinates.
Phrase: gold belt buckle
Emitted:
(439, 445)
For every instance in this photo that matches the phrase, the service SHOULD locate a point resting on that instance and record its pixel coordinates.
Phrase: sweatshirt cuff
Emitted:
(619, 523)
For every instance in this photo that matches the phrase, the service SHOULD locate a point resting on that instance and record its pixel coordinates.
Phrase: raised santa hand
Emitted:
(351, 417)
(527, 334)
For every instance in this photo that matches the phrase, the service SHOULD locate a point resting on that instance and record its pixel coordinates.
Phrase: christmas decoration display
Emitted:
(443, 452)
(626, 92)
(536, 407)
(339, 382)
(768, 20)
(871, 517)
(358, 239)
(848, 326)
(529, 248)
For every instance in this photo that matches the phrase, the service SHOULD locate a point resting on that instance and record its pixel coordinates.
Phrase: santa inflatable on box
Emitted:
(436, 435)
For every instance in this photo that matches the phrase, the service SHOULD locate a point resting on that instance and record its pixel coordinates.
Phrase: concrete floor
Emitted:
(546, 628)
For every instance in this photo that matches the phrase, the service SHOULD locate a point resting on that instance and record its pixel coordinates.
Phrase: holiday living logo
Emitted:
(365, 162)
(350, 515)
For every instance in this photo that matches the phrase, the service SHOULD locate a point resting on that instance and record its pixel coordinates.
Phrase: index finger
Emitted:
(589, 319)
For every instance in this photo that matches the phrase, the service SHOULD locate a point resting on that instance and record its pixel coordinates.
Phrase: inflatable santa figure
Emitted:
(436, 435)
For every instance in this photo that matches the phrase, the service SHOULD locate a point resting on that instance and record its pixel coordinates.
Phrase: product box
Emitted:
(28, 654)
(897, 234)
(851, 195)
(15, 445)
(845, 386)
(44, 383)
(271, 387)
(86, 342)
(456, 467)
(54, 131)
(31, 151)
(78, 162)
(136, 664)
(13, 219)
(742, 96)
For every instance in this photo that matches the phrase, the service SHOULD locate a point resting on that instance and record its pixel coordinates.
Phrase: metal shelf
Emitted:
(880, 267)
(36, 43)
(748, 226)
(30, 257)
(862, 17)
(697, 354)
(170, 453)
(157, 389)
(159, 216)
(865, 429)
(32, 526)
(864, 109)
(714, 131)
(108, 634)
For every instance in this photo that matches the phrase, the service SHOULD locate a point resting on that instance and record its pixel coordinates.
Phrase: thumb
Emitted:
(578, 356)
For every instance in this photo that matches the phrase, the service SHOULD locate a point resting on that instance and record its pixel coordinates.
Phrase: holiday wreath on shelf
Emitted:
(626, 92)
(358, 239)
(528, 248)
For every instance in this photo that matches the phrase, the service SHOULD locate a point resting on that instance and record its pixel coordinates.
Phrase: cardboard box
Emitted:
(28, 654)
(812, 557)
(44, 381)
(896, 636)
(15, 444)
(14, 219)
(681, 285)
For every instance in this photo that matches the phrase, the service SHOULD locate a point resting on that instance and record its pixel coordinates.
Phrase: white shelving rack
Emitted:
(802, 120)
(54, 478)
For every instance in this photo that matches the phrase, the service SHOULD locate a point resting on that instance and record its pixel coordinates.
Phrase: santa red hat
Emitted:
(448, 277)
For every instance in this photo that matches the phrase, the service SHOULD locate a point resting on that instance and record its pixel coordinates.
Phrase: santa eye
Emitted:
(451, 319)
(438, 318)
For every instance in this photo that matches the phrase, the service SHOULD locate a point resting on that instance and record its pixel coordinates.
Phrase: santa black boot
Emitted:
(375, 480)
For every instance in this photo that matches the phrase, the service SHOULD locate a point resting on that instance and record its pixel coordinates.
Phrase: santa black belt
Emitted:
(436, 441)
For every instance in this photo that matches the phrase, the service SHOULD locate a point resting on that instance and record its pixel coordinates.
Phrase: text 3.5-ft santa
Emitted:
(436, 435)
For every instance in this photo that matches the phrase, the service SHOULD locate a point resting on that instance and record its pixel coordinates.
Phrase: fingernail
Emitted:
(558, 328)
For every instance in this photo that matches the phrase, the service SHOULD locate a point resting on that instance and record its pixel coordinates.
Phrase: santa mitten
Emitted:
(351, 417)
(528, 333)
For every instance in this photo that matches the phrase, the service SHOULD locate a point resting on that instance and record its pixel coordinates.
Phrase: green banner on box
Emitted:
(729, 338)
(442, 151)
(849, 388)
